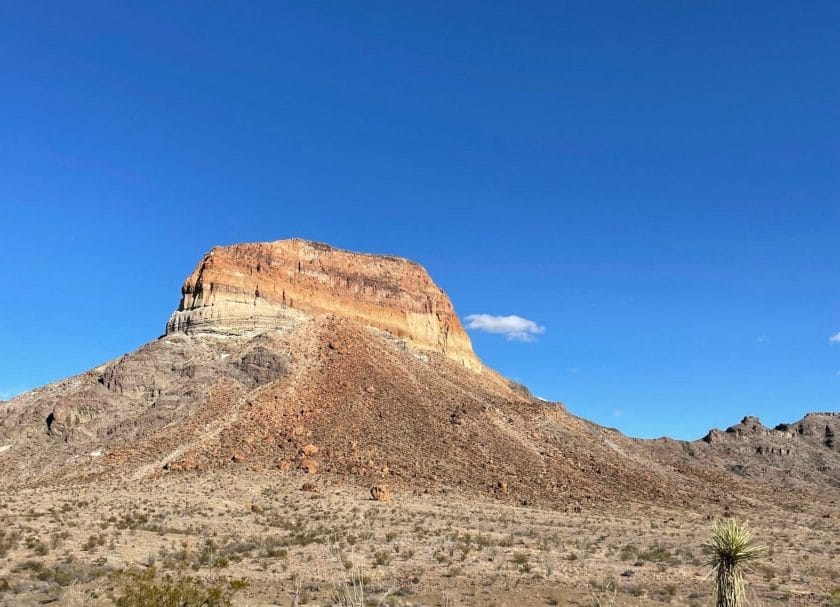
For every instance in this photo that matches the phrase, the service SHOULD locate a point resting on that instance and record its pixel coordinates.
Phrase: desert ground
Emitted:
(262, 538)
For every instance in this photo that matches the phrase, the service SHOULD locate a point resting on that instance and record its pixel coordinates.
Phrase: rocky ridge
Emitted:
(817, 429)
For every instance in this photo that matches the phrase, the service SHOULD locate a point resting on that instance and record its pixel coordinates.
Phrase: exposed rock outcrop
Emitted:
(380, 493)
(818, 428)
(793, 454)
(251, 288)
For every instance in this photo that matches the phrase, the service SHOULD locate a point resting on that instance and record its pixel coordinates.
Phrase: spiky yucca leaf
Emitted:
(731, 549)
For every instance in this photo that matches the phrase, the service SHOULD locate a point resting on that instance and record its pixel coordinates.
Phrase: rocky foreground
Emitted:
(262, 536)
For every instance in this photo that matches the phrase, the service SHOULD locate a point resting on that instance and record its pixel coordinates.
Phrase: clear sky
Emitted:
(654, 185)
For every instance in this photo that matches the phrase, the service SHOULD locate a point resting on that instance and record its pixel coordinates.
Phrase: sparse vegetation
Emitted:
(266, 541)
(144, 589)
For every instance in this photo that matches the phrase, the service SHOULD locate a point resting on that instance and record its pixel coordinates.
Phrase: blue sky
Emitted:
(654, 185)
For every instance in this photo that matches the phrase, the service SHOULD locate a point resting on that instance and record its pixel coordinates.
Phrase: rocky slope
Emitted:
(796, 455)
(295, 358)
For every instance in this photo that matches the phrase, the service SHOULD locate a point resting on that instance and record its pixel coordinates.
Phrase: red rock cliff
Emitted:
(263, 286)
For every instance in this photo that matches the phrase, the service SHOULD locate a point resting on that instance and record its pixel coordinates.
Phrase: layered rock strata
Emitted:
(251, 288)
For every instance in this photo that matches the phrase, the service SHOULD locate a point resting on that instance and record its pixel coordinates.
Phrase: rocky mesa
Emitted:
(293, 357)
(254, 287)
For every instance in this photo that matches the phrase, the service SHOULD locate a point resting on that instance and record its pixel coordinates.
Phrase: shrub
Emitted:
(144, 590)
(520, 559)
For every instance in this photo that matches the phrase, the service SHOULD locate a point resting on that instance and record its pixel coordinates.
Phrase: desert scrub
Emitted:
(658, 554)
(520, 559)
(62, 574)
(8, 541)
(143, 589)
(603, 594)
(93, 542)
(381, 557)
(731, 550)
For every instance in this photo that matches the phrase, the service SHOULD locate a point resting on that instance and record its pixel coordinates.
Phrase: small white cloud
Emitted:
(761, 339)
(514, 328)
(835, 339)
(618, 413)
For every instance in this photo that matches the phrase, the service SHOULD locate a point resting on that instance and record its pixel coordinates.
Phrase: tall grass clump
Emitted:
(731, 550)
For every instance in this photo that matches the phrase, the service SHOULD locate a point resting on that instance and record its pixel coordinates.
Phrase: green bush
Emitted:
(145, 590)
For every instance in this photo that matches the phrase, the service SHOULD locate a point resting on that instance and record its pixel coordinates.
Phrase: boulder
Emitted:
(310, 466)
(380, 493)
(309, 450)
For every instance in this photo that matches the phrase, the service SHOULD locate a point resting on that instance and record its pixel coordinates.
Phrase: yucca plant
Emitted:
(731, 550)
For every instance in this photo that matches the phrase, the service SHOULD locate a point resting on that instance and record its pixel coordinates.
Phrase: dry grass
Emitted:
(277, 545)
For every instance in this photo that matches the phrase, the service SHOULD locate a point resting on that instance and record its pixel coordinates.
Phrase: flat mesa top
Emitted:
(318, 246)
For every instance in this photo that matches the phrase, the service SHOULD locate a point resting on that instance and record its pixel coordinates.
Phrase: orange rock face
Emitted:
(264, 286)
